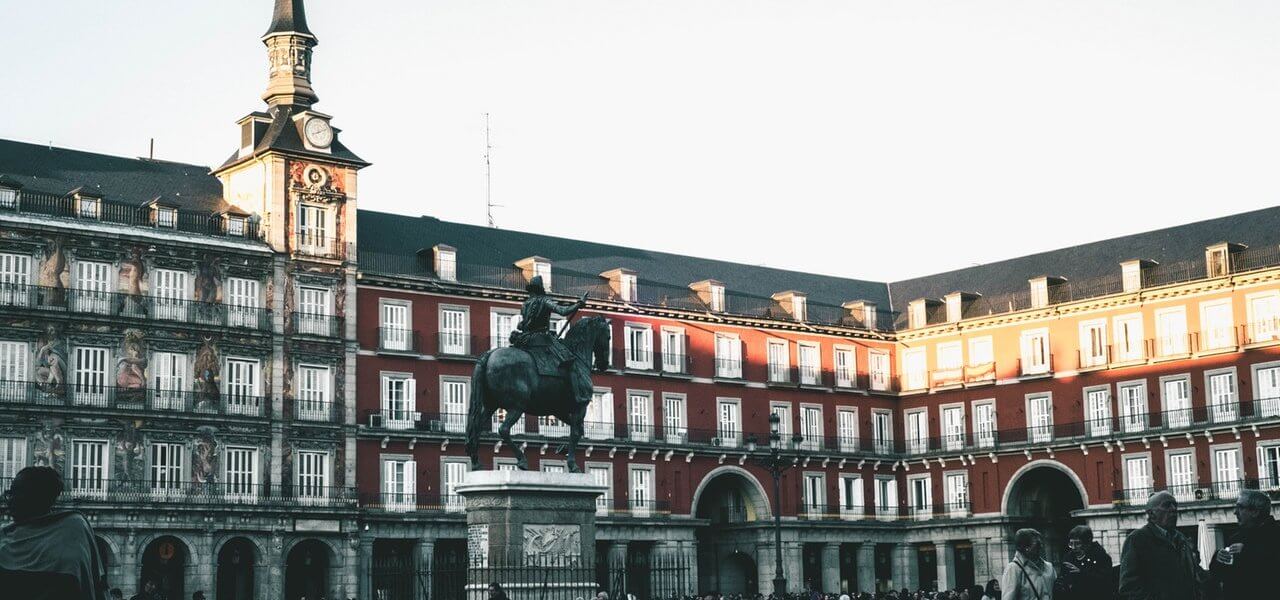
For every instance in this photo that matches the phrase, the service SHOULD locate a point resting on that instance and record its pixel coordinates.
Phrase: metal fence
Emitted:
(644, 576)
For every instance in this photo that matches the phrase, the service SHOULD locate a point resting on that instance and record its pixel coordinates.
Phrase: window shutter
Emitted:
(410, 395)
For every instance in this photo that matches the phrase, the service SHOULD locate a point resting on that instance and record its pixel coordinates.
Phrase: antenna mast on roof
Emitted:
(488, 174)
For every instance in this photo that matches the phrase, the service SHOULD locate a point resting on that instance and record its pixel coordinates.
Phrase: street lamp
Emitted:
(776, 463)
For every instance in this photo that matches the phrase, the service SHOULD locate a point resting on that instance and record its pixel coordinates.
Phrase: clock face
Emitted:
(319, 133)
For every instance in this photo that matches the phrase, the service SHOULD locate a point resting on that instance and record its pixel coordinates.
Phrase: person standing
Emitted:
(1246, 567)
(1028, 576)
(1086, 570)
(1157, 562)
(47, 554)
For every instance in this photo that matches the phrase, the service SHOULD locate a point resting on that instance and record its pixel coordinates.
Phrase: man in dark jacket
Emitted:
(1248, 566)
(47, 555)
(1086, 571)
(1157, 562)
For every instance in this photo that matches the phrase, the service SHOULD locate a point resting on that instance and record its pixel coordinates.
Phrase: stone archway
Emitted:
(733, 501)
(307, 570)
(236, 577)
(729, 495)
(165, 562)
(738, 574)
(1043, 495)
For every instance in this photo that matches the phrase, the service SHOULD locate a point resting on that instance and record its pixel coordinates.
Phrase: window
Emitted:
(1217, 326)
(1098, 405)
(1264, 317)
(811, 427)
(1131, 276)
(955, 306)
(170, 294)
(717, 298)
(914, 364)
(879, 369)
(984, 424)
(1093, 343)
(602, 475)
(810, 369)
(501, 324)
(398, 401)
(313, 227)
(166, 468)
(1268, 466)
(673, 350)
(783, 410)
(845, 361)
(1129, 344)
(394, 330)
(1035, 352)
(313, 475)
(956, 489)
(953, 437)
(847, 429)
(454, 394)
(13, 371)
(920, 496)
(674, 419)
(8, 197)
(1171, 331)
(451, 475)
(1216, 261)
(917, 431)
(314, 400)
(627, 287)
(642, 490)
(882, 431)
(453, 331)
(91, 376)
(242, 387)
(851, 496)
(1137, 478)
(242, 302)
(240, 478)
(981, 352)
(1182, 475)
(950, 356)
(886, 497)
(1133, 406)
(1226, 472)
(1222, 395)
(169, 371)
(92, 287)
(13, 457)
(1040, 418)
(89, 469)
(236, 226)
(543, 270)
(639, 417)
(15, 278)
(1177, 402)
(1039, 293)
(639, 342)
(1266, 395)
(599, 419)
(729, 424)
(553, 466)
(815, 496)
(916, 315)
(314, 310)
(447, 265)
(399, 484)
(728, 356)
(88, 207)
(779, 365)
(799, 308)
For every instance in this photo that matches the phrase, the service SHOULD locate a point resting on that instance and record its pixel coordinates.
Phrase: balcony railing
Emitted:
(316, 244)
(397, 339)
(114, 304)
(316, 324)
(118, 213)
(182, 491)
(1035, 368)
(134, 399)
(729, 368)
(675, 363)
(1217, 491)
(635, 359)
(779, 373)
(459, 345)
(305, 409)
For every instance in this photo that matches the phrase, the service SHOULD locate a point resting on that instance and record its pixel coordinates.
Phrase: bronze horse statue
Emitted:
(506, 378)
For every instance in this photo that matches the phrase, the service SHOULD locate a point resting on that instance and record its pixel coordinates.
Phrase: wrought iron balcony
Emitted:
(31, 393)
(118, 213)
(398, 339)
(317, 325)
(1191, 493)
(114, 304)
(307, 409)
(91, 491)
(452, 344)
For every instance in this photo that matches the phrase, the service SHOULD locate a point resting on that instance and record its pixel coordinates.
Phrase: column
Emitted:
(999, 553)
(351, 564)
(946, 557)
(831, 568)
(366, 567)
(793, 565)
(981, 563)
(130, 569)
(423, 553)
(274, 559)
(867, 567)
(202, 574)
(906, 567)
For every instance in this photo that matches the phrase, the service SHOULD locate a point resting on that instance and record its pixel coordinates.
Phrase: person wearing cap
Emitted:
(47, 554)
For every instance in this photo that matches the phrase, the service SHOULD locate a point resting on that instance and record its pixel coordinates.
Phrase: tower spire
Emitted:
(289, 45)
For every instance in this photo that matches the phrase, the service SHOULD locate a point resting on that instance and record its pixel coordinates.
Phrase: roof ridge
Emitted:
(50, 147)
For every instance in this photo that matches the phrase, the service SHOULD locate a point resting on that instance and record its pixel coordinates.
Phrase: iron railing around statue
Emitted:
(643, 576)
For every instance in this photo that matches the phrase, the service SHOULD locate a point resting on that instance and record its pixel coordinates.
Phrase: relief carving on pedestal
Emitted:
(552, 544)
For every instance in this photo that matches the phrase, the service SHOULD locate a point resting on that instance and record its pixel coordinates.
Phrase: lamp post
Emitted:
(777, 464)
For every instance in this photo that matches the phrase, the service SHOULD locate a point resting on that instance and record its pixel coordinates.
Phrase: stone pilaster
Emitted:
(129, 565)
(202, 571)
(946, 556)
(906, 566)
(793, 565)
(867, 567)
(366, 568)
(831, 568)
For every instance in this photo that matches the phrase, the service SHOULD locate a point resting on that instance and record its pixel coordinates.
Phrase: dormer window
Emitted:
(1131, 275)
(165, 216)
(88, 207)
(917, 316)
(536, 266)
(235, 226)
(799, 309)
(793, 303)
(543, 270)
(717, 298)
(446, 263)
(8, 197)
(1218, 258)
(627, 287)
(954, 312)
(1039, 292)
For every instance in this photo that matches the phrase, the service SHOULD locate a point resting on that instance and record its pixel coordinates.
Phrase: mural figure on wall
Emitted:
(51, 363)
(208, 286)
(130, 283)
(204, 461)
(131, 368)
(54, 275)
(46, 445)
(128, 453)
(207, 376)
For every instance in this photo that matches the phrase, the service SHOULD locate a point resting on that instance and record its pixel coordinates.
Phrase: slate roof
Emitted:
(282, 135)
(288, 16)
(135, 181)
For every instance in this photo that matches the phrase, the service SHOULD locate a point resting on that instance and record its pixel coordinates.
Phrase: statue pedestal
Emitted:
(532, 531)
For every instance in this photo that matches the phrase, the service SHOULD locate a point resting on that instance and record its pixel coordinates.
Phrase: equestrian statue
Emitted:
(538, 374)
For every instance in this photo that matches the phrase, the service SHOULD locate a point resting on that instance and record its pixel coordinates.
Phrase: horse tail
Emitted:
(476, 409)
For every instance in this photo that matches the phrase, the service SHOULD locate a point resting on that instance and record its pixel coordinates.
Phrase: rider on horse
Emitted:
(535, 336)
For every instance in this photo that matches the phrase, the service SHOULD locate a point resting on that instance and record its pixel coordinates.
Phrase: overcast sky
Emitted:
(870, 139)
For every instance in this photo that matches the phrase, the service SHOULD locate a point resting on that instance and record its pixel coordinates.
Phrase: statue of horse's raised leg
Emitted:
(504, 430)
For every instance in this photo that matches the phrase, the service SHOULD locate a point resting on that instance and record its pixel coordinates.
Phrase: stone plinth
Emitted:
(527, 519)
